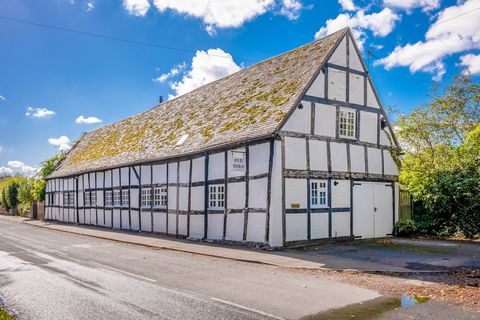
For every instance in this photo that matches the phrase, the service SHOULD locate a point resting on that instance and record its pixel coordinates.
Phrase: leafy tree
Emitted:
(38, 191)
(25, 189)
(49, 165)
(11, 194)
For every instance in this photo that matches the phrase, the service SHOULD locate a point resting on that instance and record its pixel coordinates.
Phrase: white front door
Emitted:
(372, 209)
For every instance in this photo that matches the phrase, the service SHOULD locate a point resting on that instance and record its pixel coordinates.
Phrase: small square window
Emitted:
(346, 124)
(86, 196)
(216, 196)
(117, 198)
(160, 197)
(93, 198)
(147, 197)
(318, 194)
(125, 198)
(108, 198)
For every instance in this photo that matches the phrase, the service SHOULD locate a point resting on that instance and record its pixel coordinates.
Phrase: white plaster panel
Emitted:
(318, 155)
(340, 194)
(196, 226)
(215, 226)
(325, 120)
(384, 140)
(116, 219)
(338, 152)
(256, 227)
(356, 89)
(355, 63)
(99, 198)
(296, 192)
(276, 213)
(134, 198)
(159, 173)
(172, 197)
(390, 167)
(172, 223)
(135, 220)
(99, 180)
(374, 160)
(81, 216)
(257, 193)
(371, 99)
(198, 169)
(87, 216)
(116, 177)
(337, 84)
(296, 226)
(184, 171)
(160, 222)
(216, 166)
(92, 180)
(341, 224)
(357, 158)
(134, 181)
(108, 218)
(295, 153)
(183, 198)
(197, 198)
(259, 155)
(299, 121)
(71, 215)
(317, 89)
(124, 173)
(236, 195)
(101, 217)
(172, 172)
(234, 173)
(146, 221)
(368, 126)
(125, 222)
(234, 230)
(319, 225)
(182, 224)
(93, 216)
(339, 56)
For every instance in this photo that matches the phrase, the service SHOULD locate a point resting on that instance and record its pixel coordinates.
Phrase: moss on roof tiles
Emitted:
(248, 104)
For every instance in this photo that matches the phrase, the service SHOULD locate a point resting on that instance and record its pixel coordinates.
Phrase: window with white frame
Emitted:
(65, 199)
(109, 198)
(87, 198)
(117, 198)
(346, 123)
(318, 194)
(125, 198)
(160, 197)
(93, 198)
(216, 196)
(146, 197)
(71, 199)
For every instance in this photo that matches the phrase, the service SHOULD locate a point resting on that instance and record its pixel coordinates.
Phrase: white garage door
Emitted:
(372, 209)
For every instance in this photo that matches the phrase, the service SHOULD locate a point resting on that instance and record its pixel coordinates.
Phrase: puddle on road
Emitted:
(371, 309)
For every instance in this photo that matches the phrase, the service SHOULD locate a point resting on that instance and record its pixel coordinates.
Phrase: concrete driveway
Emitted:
(394, 254)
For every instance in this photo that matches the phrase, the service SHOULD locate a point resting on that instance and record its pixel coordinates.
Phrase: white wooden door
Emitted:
(372, 209)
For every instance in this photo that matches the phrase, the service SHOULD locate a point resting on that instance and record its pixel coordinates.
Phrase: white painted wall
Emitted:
(325, 120)
(300, 121)
(295, 153)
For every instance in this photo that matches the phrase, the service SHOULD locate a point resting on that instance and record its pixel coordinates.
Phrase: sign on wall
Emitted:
(238, 161)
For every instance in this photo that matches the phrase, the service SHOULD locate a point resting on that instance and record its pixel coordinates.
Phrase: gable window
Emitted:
(160, 196)
(146, 197)
(117, 198)
(93, 198)
(318, 194)
(216, 196)
(87, 199)
(109, 198)
(346, 124)
(125, 198)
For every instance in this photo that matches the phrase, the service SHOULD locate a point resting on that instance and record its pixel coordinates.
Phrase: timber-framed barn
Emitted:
(293, 149)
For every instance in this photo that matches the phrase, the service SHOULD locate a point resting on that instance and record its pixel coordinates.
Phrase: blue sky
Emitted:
(49, 77)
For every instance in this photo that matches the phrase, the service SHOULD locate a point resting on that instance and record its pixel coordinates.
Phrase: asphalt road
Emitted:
(46, 274)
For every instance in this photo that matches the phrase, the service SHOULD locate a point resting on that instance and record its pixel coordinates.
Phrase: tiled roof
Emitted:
(243, 106)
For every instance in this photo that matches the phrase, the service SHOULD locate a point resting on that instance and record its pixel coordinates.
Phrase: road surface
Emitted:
(47, 274)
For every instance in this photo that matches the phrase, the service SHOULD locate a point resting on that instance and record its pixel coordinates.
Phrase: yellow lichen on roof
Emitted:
(248, 104)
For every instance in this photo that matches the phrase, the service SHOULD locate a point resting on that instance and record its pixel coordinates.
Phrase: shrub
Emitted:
(11, 193)
(406, 227)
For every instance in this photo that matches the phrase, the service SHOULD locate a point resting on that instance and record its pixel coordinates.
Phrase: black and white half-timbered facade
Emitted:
(295, 148)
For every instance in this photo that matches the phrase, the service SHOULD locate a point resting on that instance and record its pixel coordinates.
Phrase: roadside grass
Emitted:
(4, 315)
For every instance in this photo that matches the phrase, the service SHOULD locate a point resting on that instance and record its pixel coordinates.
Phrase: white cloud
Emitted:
(2, 98)
(5, 171)
(172, 73)
(63, 143)
(88, 120)
(1, 148)
(471, 62)
(137, 8)
(217, 13)
(206, 67)
(408, 5)
(39, 112)
(445, 37)
(379, 23)
(291, 9)
(15, 164)
(347, 5)
(89, 6)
